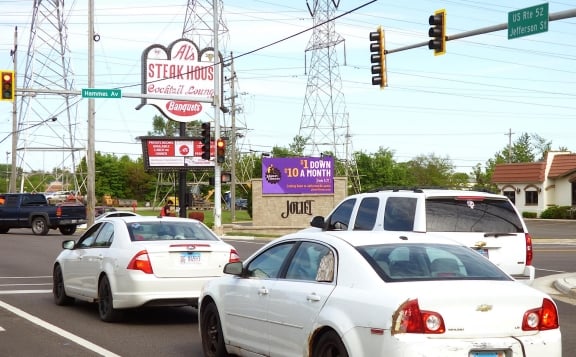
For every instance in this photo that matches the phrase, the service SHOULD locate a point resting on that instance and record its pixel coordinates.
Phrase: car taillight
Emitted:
(410, 319)
(234, 256)
(58, 211)
(141, 261)
(529, 251)
(542, 318)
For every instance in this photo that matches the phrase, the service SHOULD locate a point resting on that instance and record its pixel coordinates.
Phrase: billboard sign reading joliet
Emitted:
(180, 69)
(298, 175)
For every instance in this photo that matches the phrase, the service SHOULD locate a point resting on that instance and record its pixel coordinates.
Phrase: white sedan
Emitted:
(128, 262)
(373, 294)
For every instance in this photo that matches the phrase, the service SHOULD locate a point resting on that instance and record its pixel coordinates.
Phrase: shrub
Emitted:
(529, 214)
(196, 215)
(557, 212)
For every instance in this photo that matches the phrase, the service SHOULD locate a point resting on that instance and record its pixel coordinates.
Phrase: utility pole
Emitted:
(91, 169)
(509, 144)
(232, 142)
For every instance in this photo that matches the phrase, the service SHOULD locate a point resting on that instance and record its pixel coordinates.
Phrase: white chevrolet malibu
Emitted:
(128, 262)
(373, 294)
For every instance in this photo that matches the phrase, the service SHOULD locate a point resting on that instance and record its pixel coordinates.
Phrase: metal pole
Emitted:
(217, 169)
(91, 165)
(14, 171)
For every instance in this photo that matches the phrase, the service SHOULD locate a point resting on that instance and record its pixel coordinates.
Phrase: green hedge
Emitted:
(558, 212)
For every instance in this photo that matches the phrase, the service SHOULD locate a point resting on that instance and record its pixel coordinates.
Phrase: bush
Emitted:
(557, 212)
(529, 214)
(196, 215)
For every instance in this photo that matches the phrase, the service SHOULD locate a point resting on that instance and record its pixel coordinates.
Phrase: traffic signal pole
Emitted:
(553, 17)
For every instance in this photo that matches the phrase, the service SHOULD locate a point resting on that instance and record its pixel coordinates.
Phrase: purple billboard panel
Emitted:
(298, 175)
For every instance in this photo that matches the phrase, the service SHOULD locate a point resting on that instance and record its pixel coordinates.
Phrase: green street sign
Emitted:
(101, 93)
(528, 21)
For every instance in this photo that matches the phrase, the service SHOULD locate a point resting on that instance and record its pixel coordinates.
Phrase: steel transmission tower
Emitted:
(47, 83)
(324, 116)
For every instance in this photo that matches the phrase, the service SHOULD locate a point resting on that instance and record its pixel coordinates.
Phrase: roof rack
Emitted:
(407, 188)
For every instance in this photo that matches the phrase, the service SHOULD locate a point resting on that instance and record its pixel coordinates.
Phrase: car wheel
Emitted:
(211, 332)
(67, 230)
(330, 345)
(60, 297)
(105, 302)
(39, 226)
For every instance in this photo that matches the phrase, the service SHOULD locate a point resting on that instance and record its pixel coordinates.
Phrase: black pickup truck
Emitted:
(32, 210)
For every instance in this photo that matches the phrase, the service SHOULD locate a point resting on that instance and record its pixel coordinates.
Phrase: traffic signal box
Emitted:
(220, 150)
(206, 141)
(8, 86)
(438, 32)
(378, 58)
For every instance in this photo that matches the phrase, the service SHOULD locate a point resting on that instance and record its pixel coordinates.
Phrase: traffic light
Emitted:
(220, 150)
(378, 57)
(206, 141)
(8, 86)
(437, 32)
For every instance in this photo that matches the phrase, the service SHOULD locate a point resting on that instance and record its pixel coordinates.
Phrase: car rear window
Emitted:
(168, 230)
(417, 262)
(471, 214)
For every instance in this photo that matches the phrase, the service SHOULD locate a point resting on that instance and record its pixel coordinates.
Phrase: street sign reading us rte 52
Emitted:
(101, 93)
(528, 21)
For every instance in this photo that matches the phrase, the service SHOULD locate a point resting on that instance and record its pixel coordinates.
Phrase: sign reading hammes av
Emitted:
(180, 69)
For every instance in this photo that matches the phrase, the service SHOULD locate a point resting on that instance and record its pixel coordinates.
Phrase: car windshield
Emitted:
(168, 230)
(417, 262)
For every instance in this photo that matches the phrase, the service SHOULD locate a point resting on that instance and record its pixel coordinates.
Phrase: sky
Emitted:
(464, 106)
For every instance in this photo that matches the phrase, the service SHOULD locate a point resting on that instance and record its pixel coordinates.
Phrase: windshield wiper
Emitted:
(496, 234)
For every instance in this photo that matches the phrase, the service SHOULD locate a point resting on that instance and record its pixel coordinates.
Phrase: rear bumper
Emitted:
(543, 343)
(68, 222)
(528, 276)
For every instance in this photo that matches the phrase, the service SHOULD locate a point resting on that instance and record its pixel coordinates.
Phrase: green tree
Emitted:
(431, 170)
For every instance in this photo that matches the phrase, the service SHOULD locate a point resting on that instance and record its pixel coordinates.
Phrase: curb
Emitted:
(566, 285)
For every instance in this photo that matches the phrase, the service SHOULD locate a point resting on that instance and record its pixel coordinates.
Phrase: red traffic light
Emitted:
(8, 86)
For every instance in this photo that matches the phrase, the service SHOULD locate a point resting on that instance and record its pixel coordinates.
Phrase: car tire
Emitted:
(106, 308)
(211, 332)
(39, 226)
(67, 230)
(330, 345)
(58, 291)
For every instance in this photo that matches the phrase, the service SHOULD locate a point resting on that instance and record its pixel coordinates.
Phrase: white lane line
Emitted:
(24, 284)
(57, 330)
(12, 292)
(25, 277)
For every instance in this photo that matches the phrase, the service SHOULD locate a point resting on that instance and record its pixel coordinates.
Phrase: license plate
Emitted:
(190, 258)
(484, 252)
(487, 354)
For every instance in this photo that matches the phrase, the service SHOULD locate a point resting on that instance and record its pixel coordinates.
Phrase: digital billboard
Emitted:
(298, 175)
(174, 153)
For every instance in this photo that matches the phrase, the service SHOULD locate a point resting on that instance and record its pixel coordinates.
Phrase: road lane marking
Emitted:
(57, 330)
(12, 292)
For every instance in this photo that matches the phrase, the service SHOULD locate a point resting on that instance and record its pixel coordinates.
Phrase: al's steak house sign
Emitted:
(180, 69)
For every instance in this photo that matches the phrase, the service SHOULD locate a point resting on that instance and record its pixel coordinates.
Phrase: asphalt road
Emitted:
(551, 229)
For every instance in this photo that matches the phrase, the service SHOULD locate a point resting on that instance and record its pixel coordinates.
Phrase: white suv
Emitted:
(486, 222)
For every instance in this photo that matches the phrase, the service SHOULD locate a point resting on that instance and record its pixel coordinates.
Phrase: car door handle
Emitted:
(263, 291)
(313, 297)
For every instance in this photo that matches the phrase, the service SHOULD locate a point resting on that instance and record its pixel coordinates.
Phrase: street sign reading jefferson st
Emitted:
(528, 21)
(101, 93)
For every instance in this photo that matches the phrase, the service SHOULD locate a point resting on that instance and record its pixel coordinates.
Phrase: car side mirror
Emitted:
(235, 268)
(68, 244)
(318, 222)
